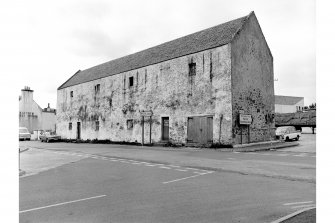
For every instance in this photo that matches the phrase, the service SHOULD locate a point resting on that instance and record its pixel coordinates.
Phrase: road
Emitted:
(68, 182)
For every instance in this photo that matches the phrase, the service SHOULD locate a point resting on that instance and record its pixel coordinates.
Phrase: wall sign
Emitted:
(146, 113)
(245, 119)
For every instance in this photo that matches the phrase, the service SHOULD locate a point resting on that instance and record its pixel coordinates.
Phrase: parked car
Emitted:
(48, 137)
(24, 134)
(287, 133)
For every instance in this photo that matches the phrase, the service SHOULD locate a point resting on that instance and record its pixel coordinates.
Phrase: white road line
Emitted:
(173, 166)
(150, 165)
(304, 206)
(265, 154)
(189, 168)
(181, 179)
(124, 161)
(301, 202)
(283, 154)
(135, 163)
(181, 170)
(54, 205)
(231, 158)
(164, 167)
(301, 155)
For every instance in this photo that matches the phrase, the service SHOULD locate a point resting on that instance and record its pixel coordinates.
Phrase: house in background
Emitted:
(288, 104)
(32, 116)
(195, 88)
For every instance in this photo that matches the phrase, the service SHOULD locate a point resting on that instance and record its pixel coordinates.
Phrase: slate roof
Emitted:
(287, 100)
(206, 39)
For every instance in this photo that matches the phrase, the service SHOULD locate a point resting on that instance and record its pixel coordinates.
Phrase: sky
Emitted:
(46, 42)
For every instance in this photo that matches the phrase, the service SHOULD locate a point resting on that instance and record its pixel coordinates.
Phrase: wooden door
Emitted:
(200, 129)
(165, 128)
(191, 129)
(78, 130)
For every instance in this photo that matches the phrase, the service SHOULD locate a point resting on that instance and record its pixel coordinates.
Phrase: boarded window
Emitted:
(70, 126)
(96, 125)
(130, 124)
(131, 81)
(192, 69)
(71, 94)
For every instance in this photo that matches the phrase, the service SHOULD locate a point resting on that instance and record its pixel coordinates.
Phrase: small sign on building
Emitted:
(146, 113)
(245, 119)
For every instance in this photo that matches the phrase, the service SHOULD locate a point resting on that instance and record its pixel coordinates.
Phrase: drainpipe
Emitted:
(221, 117)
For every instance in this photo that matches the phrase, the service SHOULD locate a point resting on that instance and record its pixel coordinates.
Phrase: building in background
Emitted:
(288, 104)
(32, 116)
(195, 89)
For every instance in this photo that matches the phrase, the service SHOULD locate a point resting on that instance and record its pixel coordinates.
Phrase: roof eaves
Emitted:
(60, 87)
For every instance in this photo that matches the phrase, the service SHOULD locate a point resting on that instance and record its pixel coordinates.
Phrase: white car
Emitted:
(24, 134)
(288, 133)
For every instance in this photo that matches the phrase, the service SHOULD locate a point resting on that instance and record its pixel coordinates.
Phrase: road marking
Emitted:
(181, 170)
(124, 161)
(291, 215)
(135, 163)
(236, 152)
(173, 166)
(164, 167)
(189, 168)
(54, 205)
(181, 179)
(304, 206)
(265, 154)
(283, 154)
(302, 202)
(150, 165)
(232, 158)
(301, 155)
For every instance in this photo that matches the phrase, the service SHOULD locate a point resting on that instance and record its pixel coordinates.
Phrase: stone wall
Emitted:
(166, 88)
(252, 84)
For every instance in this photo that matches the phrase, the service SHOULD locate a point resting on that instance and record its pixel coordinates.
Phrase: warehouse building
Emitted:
(211, 87)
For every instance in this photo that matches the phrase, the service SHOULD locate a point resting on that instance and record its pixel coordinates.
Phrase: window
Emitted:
(130, 124)
(70, 125)
(131, 81)
(71, 94)
(192, 69)
(97, 88)
(96, 125)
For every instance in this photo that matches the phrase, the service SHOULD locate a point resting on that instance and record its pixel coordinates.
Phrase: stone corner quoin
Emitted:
(195, 98)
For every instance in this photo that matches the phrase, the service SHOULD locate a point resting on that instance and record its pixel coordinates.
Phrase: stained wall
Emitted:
(252, 84)
(166, 88)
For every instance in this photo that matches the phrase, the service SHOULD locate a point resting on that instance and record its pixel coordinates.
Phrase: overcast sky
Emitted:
(54, 39)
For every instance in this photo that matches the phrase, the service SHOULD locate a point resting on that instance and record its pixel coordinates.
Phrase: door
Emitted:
(200, 129)
(165, 128)
(78, 130)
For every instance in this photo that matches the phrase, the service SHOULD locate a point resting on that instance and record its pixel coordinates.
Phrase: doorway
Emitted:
(78, 130)
(200, 129)
(165, 128)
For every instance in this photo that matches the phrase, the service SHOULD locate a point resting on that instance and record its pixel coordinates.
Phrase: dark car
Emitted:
(48, 137)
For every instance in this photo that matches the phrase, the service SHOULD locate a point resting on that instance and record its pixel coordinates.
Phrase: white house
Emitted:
(288, 104)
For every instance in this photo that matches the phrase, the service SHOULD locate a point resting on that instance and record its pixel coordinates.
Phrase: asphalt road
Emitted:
(102, 183)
